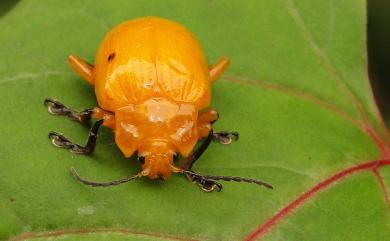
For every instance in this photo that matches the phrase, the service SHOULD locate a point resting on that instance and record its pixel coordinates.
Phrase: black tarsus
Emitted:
(226, 137)
(223, 137)
(209, 183)
(60, 140)
(206, 184)
(57, 108)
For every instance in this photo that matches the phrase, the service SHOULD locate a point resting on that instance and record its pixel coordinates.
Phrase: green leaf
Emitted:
(297, 91)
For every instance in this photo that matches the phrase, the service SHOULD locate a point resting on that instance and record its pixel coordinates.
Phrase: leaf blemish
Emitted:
(86, 210)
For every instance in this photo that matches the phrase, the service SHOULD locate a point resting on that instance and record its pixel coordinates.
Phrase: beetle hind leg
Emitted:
(61, 141)
(218, 68)
(83, 68)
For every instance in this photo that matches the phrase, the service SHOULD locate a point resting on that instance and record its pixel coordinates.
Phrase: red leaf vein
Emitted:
(306, 196)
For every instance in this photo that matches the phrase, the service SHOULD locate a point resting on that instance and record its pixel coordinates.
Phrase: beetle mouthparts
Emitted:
(145, 172)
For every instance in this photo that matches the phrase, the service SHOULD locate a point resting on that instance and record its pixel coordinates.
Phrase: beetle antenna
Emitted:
(195, 176)
(104, 184)
(241, 179)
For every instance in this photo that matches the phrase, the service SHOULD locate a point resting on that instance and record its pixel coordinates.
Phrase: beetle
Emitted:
(152, 85)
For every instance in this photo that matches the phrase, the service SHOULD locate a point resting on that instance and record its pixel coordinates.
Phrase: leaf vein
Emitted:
(294, 13)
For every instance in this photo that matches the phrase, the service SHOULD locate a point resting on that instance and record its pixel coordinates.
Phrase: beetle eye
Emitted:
(111, 56)
(175, 157)
(141, 160)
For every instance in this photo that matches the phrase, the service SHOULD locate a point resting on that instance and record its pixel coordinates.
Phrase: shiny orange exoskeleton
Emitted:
(151, 81)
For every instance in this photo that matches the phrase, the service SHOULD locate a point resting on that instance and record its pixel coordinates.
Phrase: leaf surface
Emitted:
(297, 91)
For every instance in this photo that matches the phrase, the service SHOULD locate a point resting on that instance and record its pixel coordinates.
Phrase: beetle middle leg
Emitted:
(205, 121)
(60, 140)
(57, 108)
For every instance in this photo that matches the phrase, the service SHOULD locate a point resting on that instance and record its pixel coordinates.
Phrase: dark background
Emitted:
(379, 53)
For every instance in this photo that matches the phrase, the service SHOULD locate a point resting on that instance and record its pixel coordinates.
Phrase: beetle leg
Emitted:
(205, 121)
(207, 185)
(189, 161)
(81, 67)
(57, 108)
(108, 117)
(226, 137)
(59, 140)
(218, 68)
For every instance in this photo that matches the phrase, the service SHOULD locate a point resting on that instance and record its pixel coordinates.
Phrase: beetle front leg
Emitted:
(207, 185)
(60, 140)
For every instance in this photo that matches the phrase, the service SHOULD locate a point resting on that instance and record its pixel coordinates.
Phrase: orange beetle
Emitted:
(151, 79)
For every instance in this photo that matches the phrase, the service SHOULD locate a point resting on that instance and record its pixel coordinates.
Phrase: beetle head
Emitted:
(156, 159)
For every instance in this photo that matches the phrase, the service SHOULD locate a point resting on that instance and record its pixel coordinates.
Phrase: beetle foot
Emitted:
(55, 107)
(209, 185)
(61, 141)
(206, 184)
(226, 137)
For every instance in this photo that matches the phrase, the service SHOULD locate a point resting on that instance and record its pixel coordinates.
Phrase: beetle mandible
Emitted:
(152, 85)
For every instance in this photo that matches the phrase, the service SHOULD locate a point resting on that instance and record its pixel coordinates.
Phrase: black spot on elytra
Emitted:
(111, 57)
